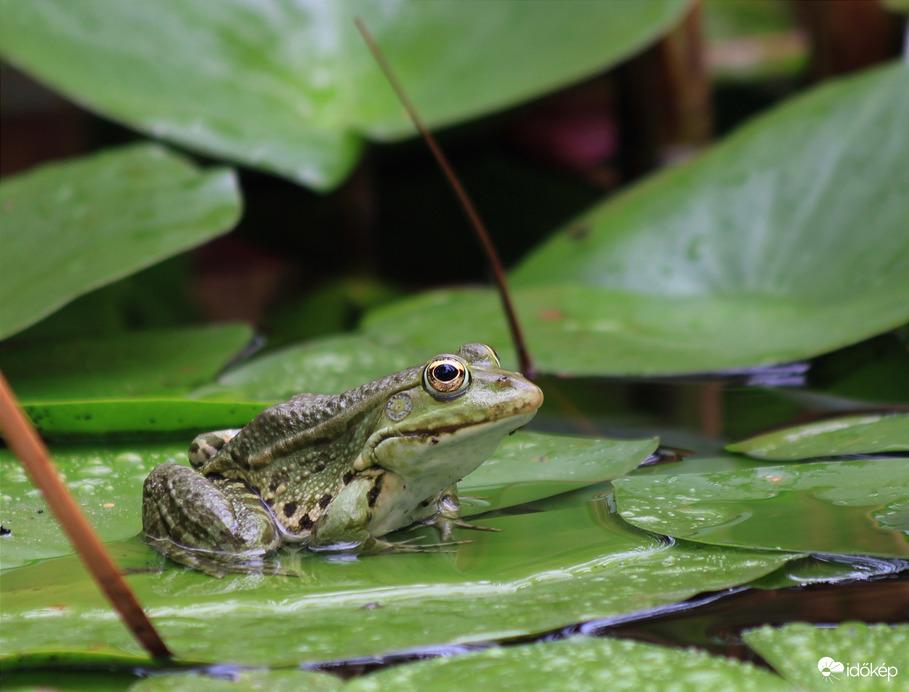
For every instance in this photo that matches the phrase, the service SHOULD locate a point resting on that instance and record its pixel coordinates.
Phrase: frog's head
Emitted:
(447, 423)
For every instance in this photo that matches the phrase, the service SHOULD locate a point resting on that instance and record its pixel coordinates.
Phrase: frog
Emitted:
(339, 472)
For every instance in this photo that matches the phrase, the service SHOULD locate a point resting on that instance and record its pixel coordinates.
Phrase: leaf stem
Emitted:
(495, 265)
(28, 446)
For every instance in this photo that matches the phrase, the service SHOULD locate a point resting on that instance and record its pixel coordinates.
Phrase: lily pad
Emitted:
(502, 585)
(153, 363)
(71, 227)
(222, 679)
(589, 664)
(291, 87)
(845, 507)
(863, 434)
(852, 654)
(746, 256)
(107, 479)
(138, 418)
(329, 365)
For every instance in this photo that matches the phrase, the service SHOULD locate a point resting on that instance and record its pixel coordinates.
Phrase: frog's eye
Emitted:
(446, 377)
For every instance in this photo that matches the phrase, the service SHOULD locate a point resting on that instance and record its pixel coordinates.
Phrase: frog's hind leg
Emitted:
(206, 445)
(215, 525)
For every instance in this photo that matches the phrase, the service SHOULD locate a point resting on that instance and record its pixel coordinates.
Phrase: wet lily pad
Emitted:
(106, 480)
(505, 584)
(579, 663)
(852, 654)
(847, 507)
(74, 226)
(291, 87)
(153, 363)
(746, 256)
(862, 434)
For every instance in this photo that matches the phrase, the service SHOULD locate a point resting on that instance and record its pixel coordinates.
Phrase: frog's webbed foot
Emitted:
(379, 546)
(448, 516)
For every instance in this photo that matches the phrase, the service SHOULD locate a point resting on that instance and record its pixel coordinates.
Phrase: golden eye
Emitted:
(446, 377)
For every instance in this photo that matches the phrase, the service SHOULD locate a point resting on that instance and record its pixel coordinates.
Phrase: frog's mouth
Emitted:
(446, 454)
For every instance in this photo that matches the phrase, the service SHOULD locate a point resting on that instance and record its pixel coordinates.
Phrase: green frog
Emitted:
(338, 472)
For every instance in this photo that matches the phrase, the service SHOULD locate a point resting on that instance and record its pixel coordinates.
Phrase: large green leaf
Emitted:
(845, 507)
(153, 363)
(797, 650)
(861, 434)
(579, 663)
(747, 256)
(290, 87)
(106, 479)
(544, 570)
(70, 227)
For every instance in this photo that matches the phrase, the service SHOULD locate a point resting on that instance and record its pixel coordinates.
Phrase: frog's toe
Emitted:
(446, 525)
(410, 545)
(207, 445)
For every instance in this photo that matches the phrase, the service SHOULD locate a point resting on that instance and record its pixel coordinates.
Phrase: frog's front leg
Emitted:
(448, 515)
(216, 525)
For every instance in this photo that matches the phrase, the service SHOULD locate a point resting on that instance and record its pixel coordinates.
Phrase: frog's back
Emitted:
(306, 420)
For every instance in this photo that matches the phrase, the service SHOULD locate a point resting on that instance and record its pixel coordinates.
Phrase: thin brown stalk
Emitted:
(28, 446)
(495, 265)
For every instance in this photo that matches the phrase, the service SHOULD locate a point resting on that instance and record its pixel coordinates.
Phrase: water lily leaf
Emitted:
(107, 479)
(219, 680)
(137, 418)
(529, 466)
(851, 654)
(862, 434)
(291, 87)
(590, 664)
(544, 570)
(329, 365)
(105, 482)
(847, 507)
(71, 227)
(153, 363)
(747, 256)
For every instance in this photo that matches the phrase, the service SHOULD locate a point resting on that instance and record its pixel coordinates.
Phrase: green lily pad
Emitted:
(106, 483)
(153, 363)
(862, 434)
(800, 651)
(107, 479)
(138, 418)
(71, 227)
(589, 664)
(530, 466)
(544, 570)
(241, 681)
(746, 256)
(291, 88)
(329, 365)
(846, 507)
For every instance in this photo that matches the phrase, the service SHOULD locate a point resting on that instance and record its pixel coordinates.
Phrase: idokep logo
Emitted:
(827, 666)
